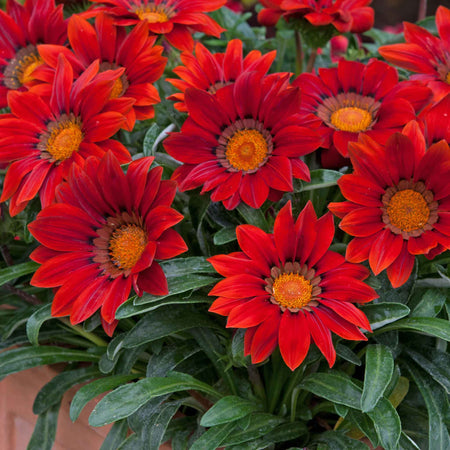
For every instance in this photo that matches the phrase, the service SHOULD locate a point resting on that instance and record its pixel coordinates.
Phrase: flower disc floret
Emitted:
(127, 245)
(351, 119)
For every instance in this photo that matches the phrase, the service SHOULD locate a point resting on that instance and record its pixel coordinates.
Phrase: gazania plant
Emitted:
(227, 222)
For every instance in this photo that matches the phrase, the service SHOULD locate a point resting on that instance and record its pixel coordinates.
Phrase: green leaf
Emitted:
(128, 309)
(116, 435)
(45, 430)
(322, 178)
(156, 426)
(227, 409)
(381, 314)
(440, 370)
(428, 325)
(132, 442)
(13, 272)
(127, 399)
(160, 365)
(211, 439)
(387, 423)
(23, 358)
(259, 425)
(35, 322)
(365, 425)
(431, 304)
(16, 319)
(253, 216)
(344, 352)
(335, 387)
(406, 443)
(378, 373)
(338, 441)
(225, 235)
(177, 285)
(152, 133)
(186, 266)
(437, 405)
(88, 392)
(164, 322)
(52, 392)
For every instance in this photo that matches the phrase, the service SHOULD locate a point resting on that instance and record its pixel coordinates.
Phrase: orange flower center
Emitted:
(246, 150)
(118, 89)
(292, 290)
(408, 210)
(151, 14)
(26, 68)
(447, 78)
(351, 119)
(65, 139)
(126, 246)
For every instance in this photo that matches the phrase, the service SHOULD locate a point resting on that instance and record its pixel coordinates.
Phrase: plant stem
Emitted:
(257, 383)
(422, 10)
(86, 334)
(6, 255)
(311, 60)
(293, 382)
(32, 299)
(299, 53)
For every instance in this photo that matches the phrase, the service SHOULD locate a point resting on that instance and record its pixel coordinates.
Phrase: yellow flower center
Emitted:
(351, 119)
(408, 210)
(126, 246)
(64, 140)
(151, 14)
(26, 67)
(447, 78)
(246, 150)
(292, 290)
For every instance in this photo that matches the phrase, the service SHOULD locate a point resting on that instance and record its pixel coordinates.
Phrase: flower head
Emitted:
(43, 137)
(355, 99)
(287, 287)
(211, 72)
(103, 237)
(425, 54)
(345, 15)
(22, 27)
(398, 202)
(244, 142)
(115, 49)
(175, 19)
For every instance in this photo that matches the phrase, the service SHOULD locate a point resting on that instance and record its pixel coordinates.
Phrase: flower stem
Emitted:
(86, 334)
(422, 10)
(299, 53)
(311, 60)
(257, 383)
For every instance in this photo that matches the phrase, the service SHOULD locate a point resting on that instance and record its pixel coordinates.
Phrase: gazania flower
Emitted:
(21, 29)
(345, 15)
(244, 142)
(436, 121)
(355, 99)
(175, 19)
(287, 287)
(103, 237)
(42, 138)
(210, 72)
(398, 202)
(425, 54)
(115, 49)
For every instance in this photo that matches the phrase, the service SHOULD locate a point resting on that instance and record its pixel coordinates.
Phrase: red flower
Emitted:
(398, 202)
(21, 29)
(42, 138)
(355, 99)
(210, 72)
(115, 49)
(425, 54)
(244, 142)
(288, 286)
(436, 121)
(175, 19)
(103, 237)
(345, 15)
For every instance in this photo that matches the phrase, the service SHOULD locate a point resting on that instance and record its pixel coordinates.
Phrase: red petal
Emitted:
(251, 313)
(284, 234)
(339, 325)
(153, 280)
(322, 337)
(240, 286)
(348, 311)
(362, 222)
(293, 338)
(118, 292)
(400, 270)
(385, 249)
(266, 337)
